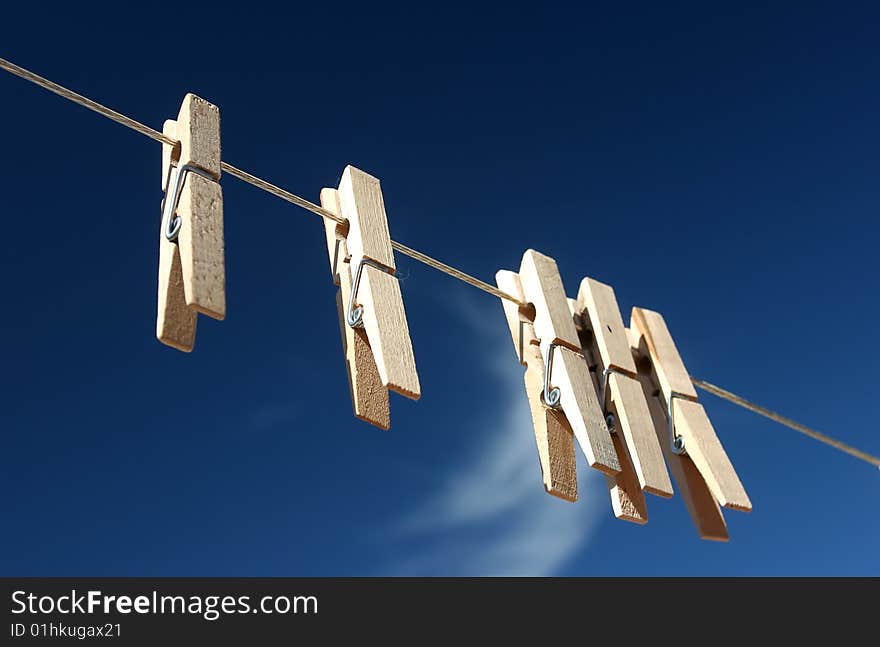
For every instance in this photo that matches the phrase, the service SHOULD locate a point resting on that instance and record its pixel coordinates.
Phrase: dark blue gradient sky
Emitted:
(718, 165)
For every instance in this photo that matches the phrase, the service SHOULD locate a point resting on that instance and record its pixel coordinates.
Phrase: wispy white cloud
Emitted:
(490, 515)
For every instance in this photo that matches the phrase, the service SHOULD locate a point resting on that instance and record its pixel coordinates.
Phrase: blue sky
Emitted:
(720, 166)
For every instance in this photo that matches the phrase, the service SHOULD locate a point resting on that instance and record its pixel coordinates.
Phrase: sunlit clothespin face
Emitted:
(192, 275)
(690, 486)
(619, 390)
(378, 349)
(690, 431)
(566, 371)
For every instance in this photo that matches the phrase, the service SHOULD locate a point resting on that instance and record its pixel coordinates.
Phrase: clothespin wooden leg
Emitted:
(555, 329)
(175, 321)
(616, 373)
(627, 498)
(201, 208)
(201, 246)
(191, 245)
(368, 395)
(553, 434)
(690, 420)
(704, 510)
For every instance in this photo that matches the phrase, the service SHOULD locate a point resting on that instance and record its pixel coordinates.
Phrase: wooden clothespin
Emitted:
(375, 333)
(627, 497)
(567, 381)
(368, 395)
(689, 429)
(620, 392)
(192, 275)
(701, 505)
(553, 433)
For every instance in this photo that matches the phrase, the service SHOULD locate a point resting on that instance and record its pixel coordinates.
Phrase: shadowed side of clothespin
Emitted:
(368, 395)
(175, 321)
(702, 507)
(690, 422)
(553, 433)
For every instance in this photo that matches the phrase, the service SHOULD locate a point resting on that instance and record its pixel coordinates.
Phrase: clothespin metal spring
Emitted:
(552, 395)
(522, 340)
(169, 207)
(610, 420)
(355, 315)
(676, 442)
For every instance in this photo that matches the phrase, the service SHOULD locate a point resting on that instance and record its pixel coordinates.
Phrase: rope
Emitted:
(143, 129)
(281, 193)
(788, 422)
(137, 126)
(70, 95)
(454, 273)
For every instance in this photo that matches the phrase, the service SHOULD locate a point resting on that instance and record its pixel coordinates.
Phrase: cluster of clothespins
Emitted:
(623, 393)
